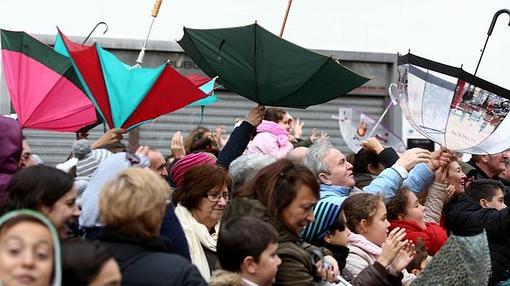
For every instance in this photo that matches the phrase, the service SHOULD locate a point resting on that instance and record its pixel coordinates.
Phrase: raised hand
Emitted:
(439, 158)
(297, 128)
(450, 193)
(392, 246)
(111, 136)
(403, 258)
(318, 137)
(255, 116)
(177, 146)
(372, 145)
(411, 157)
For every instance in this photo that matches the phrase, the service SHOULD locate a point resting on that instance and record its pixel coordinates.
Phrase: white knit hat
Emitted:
(88, 159)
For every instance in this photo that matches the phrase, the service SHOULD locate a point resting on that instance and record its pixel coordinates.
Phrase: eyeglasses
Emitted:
(215, 197)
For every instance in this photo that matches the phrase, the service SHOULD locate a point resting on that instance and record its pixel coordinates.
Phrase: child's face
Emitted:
(338, 237)
(414, 210)
(267, 265)
(497, 202)
(423, 264)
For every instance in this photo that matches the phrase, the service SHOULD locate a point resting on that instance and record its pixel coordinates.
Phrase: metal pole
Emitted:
(155, 11)
(489, 33)
(285, 18)
(380, 119)
(393, 101)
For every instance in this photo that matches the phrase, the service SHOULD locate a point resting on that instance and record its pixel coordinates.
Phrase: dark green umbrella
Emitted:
(267, 69)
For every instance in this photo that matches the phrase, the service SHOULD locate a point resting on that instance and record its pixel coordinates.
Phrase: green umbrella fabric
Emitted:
(267, 69)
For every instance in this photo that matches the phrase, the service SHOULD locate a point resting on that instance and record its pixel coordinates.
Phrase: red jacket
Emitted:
(434, 236)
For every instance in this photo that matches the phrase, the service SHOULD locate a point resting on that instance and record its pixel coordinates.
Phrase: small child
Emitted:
(487, 195)
(246, 250)
(420, 260)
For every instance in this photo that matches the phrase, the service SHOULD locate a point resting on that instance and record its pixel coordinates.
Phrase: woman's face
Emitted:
(376, 230)
(456, 177)
(210, 209)
(108, 275)
(26, 255)
(414, 210)
(63, 210)
(300, 211)
(286, 122)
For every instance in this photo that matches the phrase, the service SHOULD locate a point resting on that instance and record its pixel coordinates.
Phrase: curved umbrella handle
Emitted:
(95, 27)
(495, 18)
(489, 33)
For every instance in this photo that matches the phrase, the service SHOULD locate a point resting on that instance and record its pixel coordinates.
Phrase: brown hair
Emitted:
(360, 206)
(274, 114)
(198, 181)
(135, 202)
(19, 219)
(419, 256)
(276, 185)
(398, 204)
(197, 142)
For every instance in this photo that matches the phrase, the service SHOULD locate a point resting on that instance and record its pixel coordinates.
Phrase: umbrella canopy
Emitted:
(355, 127)
(452, 107)
(44, 88)
(266, 69)
(128, 97)
(206, 85)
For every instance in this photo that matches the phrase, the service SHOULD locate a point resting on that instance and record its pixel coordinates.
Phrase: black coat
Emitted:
(149, 262)
(465, 217)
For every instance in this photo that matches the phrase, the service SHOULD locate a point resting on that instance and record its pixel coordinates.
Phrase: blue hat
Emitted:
(326, 214)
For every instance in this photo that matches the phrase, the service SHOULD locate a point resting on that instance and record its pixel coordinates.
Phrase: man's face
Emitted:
(497, 163)
(26, 159)
(339, 170)
(157, 163)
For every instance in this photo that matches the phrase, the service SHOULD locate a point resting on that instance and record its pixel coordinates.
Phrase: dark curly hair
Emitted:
(36, 186)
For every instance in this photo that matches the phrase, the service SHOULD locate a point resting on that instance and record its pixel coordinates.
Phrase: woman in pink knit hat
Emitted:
(180, 168)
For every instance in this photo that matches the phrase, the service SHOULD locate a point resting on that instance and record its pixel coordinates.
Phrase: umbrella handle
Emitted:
(489, 33)
(155, 9)
(95, 27)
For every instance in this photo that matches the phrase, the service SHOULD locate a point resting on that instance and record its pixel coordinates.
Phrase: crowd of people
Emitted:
(266, 206)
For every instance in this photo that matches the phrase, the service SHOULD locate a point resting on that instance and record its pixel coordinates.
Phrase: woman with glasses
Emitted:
(201, 200)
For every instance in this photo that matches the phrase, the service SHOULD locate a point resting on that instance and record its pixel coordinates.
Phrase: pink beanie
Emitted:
(180, 168)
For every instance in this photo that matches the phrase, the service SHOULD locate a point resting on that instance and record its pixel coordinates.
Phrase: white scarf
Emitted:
(197, 236)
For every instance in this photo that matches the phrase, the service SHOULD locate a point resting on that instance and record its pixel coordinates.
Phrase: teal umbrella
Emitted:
(267, 69)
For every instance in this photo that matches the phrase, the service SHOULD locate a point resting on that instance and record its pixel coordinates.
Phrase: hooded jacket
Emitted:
(297, 267)
(10, 151)
(57, 270)
(465, 217)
